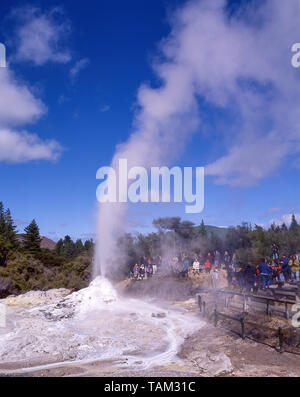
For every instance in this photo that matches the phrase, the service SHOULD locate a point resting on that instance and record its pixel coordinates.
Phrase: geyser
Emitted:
(93, 324)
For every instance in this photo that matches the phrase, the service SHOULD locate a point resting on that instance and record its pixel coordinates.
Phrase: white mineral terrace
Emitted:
(53, 327)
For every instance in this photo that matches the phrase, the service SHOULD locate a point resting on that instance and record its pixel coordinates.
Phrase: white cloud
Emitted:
(18, 106)
(268, 212)
(38, 39)
(285, 218)
(17, 103)
(20, 147)
(78, 67)
(105, 108)
(40, 36)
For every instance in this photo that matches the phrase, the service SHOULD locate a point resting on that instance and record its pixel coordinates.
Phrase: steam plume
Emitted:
(239, 62)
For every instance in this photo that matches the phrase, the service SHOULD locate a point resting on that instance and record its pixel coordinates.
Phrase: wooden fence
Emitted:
(217, 315)
(266, 299)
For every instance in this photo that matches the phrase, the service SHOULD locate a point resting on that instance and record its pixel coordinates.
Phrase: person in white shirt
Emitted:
(196, 267)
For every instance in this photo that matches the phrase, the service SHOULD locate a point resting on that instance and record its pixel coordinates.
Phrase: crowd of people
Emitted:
(146, 268)
(275, 270)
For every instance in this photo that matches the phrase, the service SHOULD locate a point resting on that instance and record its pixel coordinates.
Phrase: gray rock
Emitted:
(211, 364)
(159, 315)
(6, 287)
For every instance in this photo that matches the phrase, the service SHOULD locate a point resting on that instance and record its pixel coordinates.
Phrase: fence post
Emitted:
(280, 335)
(215, 317)
(243, 325)
(200, 302)
(286, 311)
(244, 303)
(268, 308)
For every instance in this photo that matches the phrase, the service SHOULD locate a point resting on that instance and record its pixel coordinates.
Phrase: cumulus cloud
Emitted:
(78, 67)
(40, 37)
(285, 218)
(20, 147)
(18, 106)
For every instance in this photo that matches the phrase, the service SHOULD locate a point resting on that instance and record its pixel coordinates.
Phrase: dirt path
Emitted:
(248, 357)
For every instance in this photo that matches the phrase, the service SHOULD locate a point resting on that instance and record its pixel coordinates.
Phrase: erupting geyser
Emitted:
(92, 324)
(98, 295)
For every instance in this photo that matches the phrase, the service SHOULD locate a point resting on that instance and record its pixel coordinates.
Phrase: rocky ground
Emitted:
(205, 351)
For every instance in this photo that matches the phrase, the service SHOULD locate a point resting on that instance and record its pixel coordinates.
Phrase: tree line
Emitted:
(30, 243)
(173, 236)
(69, 249)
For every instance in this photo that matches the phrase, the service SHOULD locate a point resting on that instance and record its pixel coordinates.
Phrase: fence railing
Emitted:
(267, 299)
(243, 322)
(217, 316)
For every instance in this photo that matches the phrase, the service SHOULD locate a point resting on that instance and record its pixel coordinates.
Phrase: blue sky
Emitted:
(83, 78)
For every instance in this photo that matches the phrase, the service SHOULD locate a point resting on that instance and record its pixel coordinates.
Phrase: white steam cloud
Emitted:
(240, 63)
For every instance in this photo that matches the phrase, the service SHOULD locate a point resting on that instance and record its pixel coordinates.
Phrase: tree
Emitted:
(186, 230)
(79, 247)
(9, 228)
(68, 247)
(294, 227)
(2, 220)
(202, 229)
(5, 249)
(8, 241)
(215, 243)
(89, 245)
(32, 240)
(59, 247)
(167, 223)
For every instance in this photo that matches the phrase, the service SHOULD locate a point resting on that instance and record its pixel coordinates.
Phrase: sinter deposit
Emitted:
(93, 323)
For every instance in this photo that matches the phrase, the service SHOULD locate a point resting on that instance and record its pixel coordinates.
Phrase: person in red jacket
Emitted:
(279, 272)
(207, 266)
